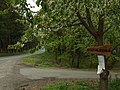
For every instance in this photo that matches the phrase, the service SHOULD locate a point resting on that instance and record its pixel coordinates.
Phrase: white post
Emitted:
(101, 62)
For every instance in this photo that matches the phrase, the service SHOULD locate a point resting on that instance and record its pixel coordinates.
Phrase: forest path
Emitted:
(14, 73)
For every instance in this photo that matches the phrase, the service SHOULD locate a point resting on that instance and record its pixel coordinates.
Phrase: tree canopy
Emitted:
(10, 29)
(100, 18)
(66, 27)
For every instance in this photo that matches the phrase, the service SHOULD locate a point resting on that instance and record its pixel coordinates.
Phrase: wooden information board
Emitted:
(100, 50)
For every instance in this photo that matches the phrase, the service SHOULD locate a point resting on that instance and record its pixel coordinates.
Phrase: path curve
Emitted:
(10, 77)
(13, 73)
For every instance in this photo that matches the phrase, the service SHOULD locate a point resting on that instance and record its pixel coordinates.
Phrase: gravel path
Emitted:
(43, 73)
(10, 77)
(14, 73)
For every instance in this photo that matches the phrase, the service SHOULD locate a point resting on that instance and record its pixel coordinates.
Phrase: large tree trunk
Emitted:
(98, 35)
(105, 73)
(104, 78)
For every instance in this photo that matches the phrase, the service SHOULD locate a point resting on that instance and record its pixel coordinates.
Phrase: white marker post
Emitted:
(101, 62)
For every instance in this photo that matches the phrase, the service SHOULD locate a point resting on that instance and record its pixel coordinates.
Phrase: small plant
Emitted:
(79, 85)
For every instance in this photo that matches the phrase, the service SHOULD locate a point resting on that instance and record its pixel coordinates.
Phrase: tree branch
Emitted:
(101, 25)
(108, 29)
(89, 29)
(88, 15)
(115, 47)
(75, 21)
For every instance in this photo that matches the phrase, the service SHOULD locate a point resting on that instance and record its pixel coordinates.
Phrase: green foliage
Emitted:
(13, 53)
(16, 46)
(4, 12)
(79, 85)
(64, 33)
(48, 60)
(10, 30)
(38, 2)
(114, 84)
(41, 60)
(31, 33)
(58, 27)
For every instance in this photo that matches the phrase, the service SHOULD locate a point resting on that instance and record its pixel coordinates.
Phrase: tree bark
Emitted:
(78, 58)
(104, 75)
(72, 59)
(104, 78)
(98, 35)
(56, 56)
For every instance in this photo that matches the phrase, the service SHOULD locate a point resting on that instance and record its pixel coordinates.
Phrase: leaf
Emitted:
(4, 11)
(44, 6)
(38, 2)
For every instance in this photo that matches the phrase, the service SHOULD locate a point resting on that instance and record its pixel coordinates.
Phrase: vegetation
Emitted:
(41, 60)
(76, 85)
(65, 28)
(48, 60)
(81, 85)
(13, 53)
(10, 30)
(68, 27)
(114, 84)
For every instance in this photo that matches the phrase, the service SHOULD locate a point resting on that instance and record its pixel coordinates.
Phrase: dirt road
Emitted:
(10, 77)
(14, 73)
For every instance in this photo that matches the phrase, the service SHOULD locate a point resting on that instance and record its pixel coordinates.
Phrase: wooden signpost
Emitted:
(101, 52)
(104, 50)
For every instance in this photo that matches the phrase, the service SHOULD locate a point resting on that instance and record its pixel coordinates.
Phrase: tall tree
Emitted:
(10, 30)
(96, 16)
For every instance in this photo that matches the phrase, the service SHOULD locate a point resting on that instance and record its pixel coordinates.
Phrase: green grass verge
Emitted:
(75, 85)
(42, 60)
(48, 60)
(82, 85)
(114, 84)
(12, 54)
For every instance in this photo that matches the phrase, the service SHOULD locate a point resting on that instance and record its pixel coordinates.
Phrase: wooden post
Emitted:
(104, 50)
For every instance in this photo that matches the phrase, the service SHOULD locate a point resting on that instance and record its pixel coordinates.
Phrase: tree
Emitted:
(97, 16)
(10, 29)
(63, 42)
(100, 18)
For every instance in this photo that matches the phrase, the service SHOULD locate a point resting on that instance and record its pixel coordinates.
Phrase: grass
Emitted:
(41, 60)
(74, 85)
(48, 60)
(12, 54)
(114, 84)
